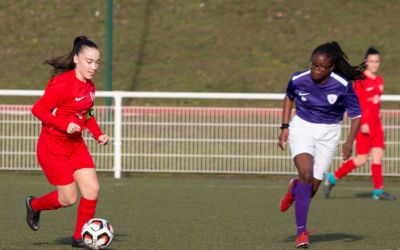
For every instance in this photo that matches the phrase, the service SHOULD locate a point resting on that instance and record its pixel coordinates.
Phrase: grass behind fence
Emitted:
(179, 45)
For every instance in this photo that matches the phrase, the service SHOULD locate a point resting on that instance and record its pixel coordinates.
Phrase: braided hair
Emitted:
(66, 62)
(340, 60)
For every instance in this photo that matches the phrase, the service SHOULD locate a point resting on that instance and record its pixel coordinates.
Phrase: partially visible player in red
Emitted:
(66, 109)
(370, 137)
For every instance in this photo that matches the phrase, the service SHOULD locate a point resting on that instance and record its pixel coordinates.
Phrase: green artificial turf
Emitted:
(204, 212)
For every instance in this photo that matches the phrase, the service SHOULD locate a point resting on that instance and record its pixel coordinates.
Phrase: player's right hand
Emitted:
(283, 138)
(103, 139)
(73, 128)
(347, 149)
(365, 129)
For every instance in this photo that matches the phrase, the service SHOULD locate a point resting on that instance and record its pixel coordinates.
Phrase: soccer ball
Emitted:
(97, 233)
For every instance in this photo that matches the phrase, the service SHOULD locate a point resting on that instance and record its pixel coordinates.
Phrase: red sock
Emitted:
(46, 202)
(346, 168)
(377, 178)
(86, 211)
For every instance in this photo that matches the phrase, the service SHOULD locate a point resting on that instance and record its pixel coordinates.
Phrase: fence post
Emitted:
(117, 134)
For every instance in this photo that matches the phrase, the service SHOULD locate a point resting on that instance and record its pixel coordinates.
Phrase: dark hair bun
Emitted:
(372, 51)
(78, 39)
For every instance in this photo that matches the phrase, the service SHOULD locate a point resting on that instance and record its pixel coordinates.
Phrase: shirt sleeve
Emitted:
(351, 102)
(290, 90)
(54, 96)
(94, 128)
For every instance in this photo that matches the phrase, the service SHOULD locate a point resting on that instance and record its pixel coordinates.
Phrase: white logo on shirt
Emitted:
(332, 98)
(369, 89)
(53, 112)
(77, 99)
(303, 94)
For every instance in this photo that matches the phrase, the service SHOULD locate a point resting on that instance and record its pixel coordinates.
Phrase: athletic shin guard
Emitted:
(46, 202)
(86, 211)
(302, 204)
(377, 178)
(346, 168)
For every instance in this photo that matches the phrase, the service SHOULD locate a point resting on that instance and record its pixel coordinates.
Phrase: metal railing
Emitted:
(179, 139)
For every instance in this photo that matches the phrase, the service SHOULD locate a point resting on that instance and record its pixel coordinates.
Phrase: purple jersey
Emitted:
(323, 103)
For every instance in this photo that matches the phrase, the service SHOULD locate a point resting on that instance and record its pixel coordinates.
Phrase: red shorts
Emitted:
(60, 157)
(375, 139)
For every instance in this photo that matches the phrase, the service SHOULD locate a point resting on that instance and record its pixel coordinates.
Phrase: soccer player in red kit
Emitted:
(65, 110)
(370, 137)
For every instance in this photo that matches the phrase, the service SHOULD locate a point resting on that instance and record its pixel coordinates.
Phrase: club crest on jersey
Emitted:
(332, 98)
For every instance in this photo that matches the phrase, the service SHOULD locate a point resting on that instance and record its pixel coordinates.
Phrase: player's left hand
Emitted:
(347, 150)
(103, 139)
(365, 129)
(283, 138)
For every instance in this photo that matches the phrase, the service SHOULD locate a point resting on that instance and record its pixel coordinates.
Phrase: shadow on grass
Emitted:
(342, 237)
(59, 241)
(67, 241)
(364, 195)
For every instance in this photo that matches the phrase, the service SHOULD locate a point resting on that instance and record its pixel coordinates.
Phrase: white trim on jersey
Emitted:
(358, 116)
(300, 75)
(339, 79)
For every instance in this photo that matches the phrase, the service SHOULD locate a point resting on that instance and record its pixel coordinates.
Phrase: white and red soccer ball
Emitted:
(97, 233)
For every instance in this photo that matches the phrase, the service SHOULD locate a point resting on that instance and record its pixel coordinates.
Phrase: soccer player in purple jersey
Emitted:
(322, 94)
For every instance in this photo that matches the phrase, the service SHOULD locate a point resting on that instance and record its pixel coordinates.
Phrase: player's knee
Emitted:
(68, 199)
(360, 160)
(377, 158)
(95, 190)
(91, 192)
(306, 177)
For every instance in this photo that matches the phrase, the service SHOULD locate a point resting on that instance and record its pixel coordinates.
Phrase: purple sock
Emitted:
(303, 198)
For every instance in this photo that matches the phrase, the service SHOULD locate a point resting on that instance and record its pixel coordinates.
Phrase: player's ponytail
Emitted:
(66, 62)
(340, 60)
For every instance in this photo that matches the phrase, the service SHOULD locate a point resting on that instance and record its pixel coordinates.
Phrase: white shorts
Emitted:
(319, 140)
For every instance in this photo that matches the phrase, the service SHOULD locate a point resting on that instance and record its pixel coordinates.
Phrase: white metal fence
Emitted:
(179, 139)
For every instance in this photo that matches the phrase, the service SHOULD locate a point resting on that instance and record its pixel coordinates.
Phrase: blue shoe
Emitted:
(329, 183)
(379, 194)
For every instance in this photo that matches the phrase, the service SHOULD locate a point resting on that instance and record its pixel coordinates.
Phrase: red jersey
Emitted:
(67, 99)
(369, 92)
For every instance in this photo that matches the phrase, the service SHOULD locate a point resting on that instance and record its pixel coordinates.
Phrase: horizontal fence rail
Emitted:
(180, 139)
